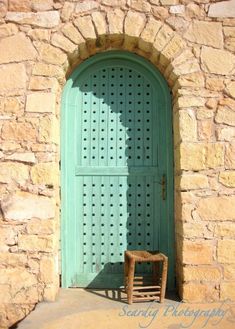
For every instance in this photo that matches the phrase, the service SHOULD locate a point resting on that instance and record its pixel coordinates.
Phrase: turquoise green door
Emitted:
(117, 170)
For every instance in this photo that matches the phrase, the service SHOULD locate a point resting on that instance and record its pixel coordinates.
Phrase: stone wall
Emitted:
(192, 43)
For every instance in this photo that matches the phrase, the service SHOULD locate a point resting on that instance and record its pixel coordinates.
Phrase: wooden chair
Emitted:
(154, 291)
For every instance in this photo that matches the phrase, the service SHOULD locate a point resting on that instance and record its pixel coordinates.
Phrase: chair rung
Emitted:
(146, 287)
(144, 293)
(145, 298)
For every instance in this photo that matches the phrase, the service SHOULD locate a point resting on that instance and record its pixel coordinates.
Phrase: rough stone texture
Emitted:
(13, 79)
(44, 173)
(227, 178)
(60, 41)
(47, 19)
(131, 29)
(226, 250)
(24, 206)
(19, 131)
(149, 33)
(15, 172)
(205, 33)
(51, 54)
(194, 182)
(40, 102)
(222, 9)
(217, 61)
(198, 156)
(197, 252)
(115, 21)
(230, 156)
(217, 208)
(85, 26)
(202, 273)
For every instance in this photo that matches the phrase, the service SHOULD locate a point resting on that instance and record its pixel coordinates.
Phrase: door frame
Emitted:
(166, 136)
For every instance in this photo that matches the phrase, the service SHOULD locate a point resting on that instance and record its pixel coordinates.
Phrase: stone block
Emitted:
(198, 156)
(9, 259)
(196, 253)
(230, 156)
(62, 42)
(43, 83)
(27, 157)
(178, 9)
(86, 6)
(112, 3)
(197, 292)
(217, 208)
(134, 30)
(67, 11)
(40, 227)
(86, 27)
(52, 54)
(13, 172)
(100, 23)
(115, 20)
(6, 30)
(214, 84)
(162, 38)
(13, 79)
(204, 113)
(225, 115)
(222, 9)
(201, 273)
(23, 5)
(40, 34)
(226, 251)
(227, 178)
(194, 182)
(45, 174)
(42, 5)
(175, 46)
(47, 19)
(70, 31)
(24, 206)
(36, 243)
(225, 133)
(205, 33)
(19, 131)
(188, 125)
(41, 103)
(227, 289)
(49, 70)
(217, 61)
(206, 130)
(142, 6)
(47, 270)
(149, 33)
(49, 130)
(229, 271)
(225, 229)
(12, 105)
(190, 101)
(230, 88)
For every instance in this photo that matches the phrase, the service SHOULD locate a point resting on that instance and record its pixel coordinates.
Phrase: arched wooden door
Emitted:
(117, 170)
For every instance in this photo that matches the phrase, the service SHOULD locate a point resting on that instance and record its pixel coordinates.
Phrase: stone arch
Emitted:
(161, 45)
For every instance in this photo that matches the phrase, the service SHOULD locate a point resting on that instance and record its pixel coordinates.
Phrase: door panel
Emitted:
(116, 146)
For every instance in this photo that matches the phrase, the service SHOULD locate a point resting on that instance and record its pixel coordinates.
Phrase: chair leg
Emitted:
(164, 278)
(131, 273)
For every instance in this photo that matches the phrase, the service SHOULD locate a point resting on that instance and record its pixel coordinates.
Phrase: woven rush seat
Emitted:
(154, 290)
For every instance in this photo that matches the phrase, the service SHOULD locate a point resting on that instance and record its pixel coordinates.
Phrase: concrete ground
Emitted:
(108, 309)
